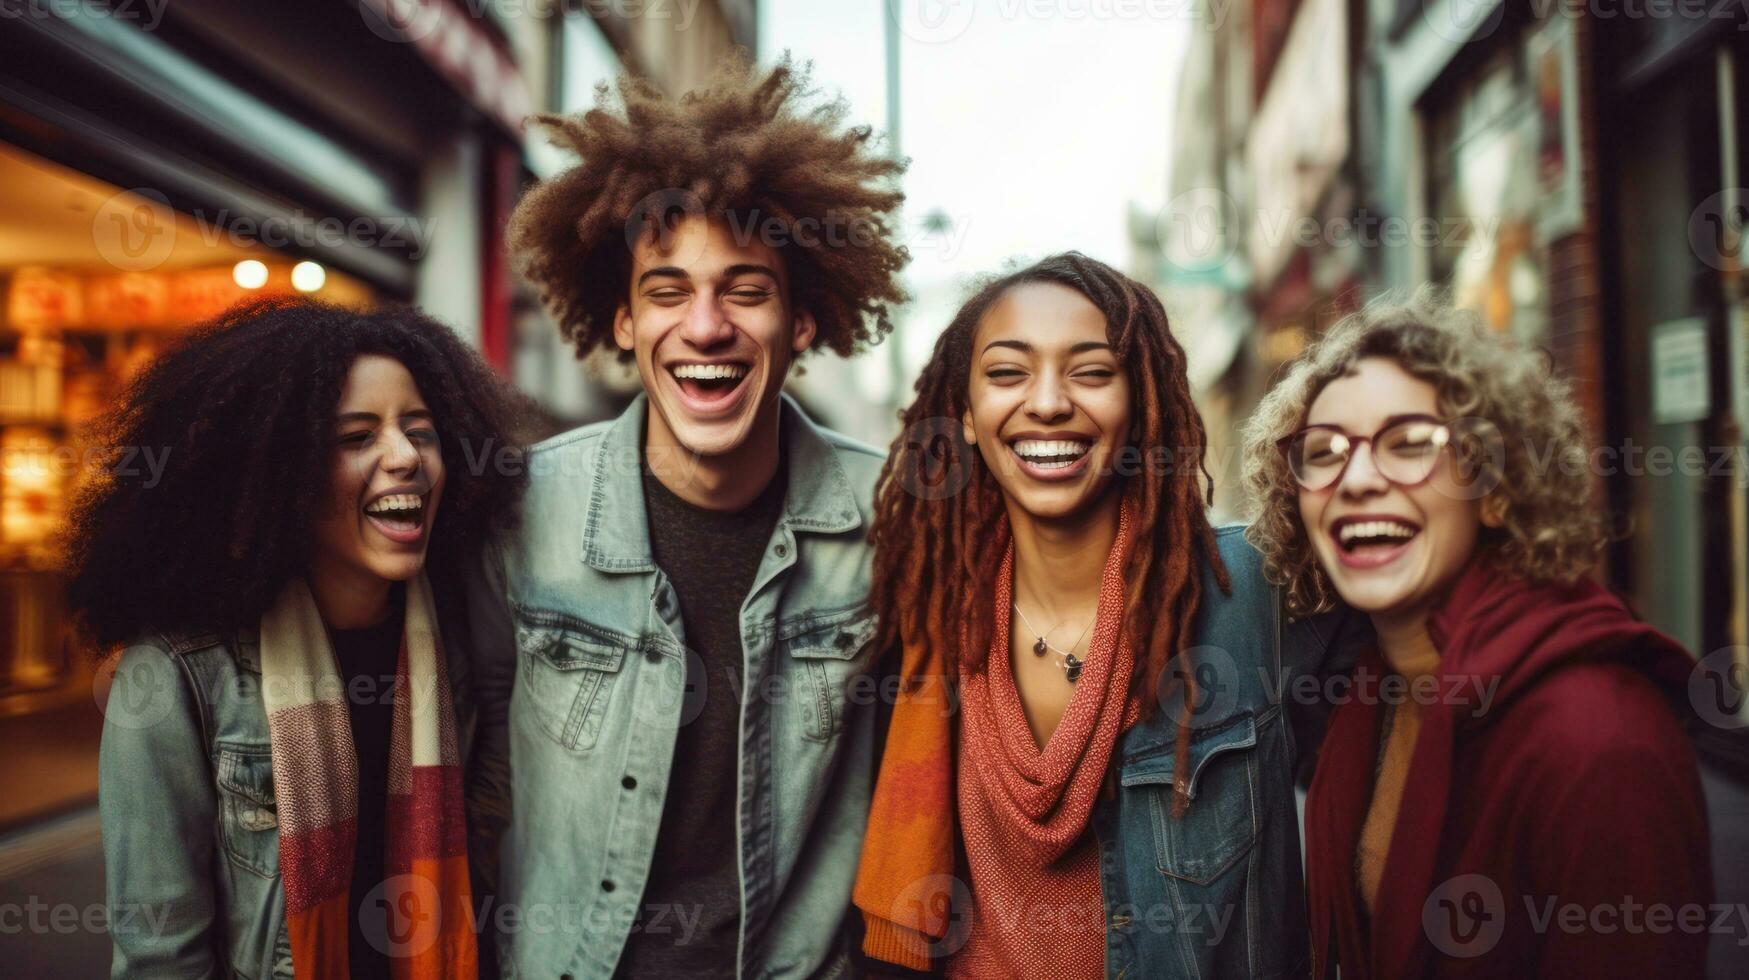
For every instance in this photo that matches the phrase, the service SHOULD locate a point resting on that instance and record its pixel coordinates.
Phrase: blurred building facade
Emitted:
(1571, 176)
(159, 163)
(1573, 173)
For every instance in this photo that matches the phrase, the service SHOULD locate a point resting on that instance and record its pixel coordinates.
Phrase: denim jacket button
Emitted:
(629, 782)
(782, 549)
(607, 886)
(653, 657)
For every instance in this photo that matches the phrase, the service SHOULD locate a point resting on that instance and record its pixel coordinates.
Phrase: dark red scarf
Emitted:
(1488, 628)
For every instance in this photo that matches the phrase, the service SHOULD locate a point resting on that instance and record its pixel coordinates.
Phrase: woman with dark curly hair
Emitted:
(1505, 790)
(1120, 784)
(282, 750)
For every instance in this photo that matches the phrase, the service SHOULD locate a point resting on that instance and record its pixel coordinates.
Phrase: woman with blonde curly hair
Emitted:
(1509, 752)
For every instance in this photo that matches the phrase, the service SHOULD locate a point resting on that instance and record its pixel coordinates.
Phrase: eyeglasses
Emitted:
(1404, 452)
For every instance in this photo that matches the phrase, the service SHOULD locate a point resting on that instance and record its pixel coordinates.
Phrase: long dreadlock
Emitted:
(933, 580)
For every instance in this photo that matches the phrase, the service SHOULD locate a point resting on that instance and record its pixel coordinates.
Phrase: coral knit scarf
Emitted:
(315, 775)
(1023, 811)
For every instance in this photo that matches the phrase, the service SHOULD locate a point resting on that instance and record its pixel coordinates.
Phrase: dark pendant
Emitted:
(1072, 667)
(1039, 647)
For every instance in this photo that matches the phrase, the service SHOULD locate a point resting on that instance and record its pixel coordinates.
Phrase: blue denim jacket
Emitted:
(1217, 891)
(190, 825)
(580, 664)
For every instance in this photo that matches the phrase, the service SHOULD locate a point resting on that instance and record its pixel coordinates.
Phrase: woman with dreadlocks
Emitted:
(1121, 770)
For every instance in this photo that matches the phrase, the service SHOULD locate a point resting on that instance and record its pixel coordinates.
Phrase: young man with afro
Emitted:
(676, 743)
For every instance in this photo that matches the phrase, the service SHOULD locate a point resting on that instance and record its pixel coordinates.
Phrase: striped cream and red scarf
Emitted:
(315, 773)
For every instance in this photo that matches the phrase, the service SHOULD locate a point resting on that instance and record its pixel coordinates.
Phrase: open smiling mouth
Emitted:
(399, 516)
(710, 383)
(1050, 458)
(1370, 541)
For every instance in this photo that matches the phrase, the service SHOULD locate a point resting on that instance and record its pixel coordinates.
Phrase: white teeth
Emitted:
(396, 501)
(709, 372)
(1031, 449)
(1376, 529)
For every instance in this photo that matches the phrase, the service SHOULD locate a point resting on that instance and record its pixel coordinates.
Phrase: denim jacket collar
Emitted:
(616, 536)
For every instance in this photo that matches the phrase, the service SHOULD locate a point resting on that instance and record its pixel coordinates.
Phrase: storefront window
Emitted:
(80, 314)
(1504, 182)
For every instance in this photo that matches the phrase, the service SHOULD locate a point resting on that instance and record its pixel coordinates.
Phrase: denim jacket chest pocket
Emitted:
(828, 652)
(567, 669)
(1221, 823)
(248, 810)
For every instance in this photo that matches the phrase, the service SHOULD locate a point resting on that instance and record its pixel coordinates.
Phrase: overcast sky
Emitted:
(1032, 124)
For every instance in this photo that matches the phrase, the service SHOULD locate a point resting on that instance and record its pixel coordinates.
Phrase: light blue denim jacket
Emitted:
(580, 660)
(190, 823)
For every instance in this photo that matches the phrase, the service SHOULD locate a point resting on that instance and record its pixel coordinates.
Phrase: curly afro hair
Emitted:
(242, 413)
(745, 149)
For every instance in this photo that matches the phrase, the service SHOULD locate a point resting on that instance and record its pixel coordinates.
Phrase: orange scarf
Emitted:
(315, 774)
(1032, 806)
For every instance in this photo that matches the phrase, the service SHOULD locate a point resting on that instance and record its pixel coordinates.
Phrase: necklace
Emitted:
(1066, 659)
